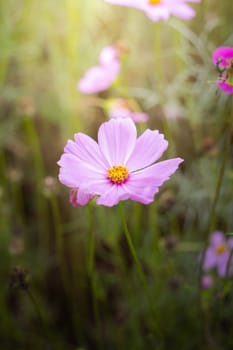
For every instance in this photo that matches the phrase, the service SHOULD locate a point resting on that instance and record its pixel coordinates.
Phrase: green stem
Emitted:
(137, 263)
(158, 62)
(212, 216)
(91, 269)
(58, 230)
(38, 172)
(62, 264)
(161, 80)
(229, 266)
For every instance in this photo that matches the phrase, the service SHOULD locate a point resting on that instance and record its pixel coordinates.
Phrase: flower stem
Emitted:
(212, 216)
(91, 271)
(228, 268)
(137, 262)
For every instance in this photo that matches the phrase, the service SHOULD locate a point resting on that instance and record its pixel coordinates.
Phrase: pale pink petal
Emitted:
(107, 55)
(210, 259)
(149, 148)
(217, 237)
(158, 12)
(183, 11)
(73, 172)
(96, 186)
(230, 242)
(79, 198)
(129, 3)
(139, 117)
(138, 191)
(117, 139)
(86, 149)
(94, 80)
(157, 174)
(120, 113)
(222, 265)
(113, 196)
(99, 78)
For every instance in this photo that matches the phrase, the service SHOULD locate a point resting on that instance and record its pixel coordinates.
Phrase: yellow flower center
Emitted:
(154, 2)
(118, 174)
(221, 248)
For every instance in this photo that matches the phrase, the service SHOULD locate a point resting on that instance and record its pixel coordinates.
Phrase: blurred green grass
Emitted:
(46, 46)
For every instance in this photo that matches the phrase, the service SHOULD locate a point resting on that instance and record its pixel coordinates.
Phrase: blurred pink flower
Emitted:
(218, 253)
(119, 166)
(207, 282)
(121, 109)
(160, 9)
(223, 59)
(99, 78)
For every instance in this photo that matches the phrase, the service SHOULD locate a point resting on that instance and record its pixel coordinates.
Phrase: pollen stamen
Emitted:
(118, 174)
(154, 2)
(221, 248)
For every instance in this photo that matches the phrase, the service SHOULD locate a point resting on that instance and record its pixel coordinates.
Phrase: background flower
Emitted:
(120, 108)
(223, 59)
(100, 77)
(120, 166)
(207, 282)
(160, 9)
(218, 253)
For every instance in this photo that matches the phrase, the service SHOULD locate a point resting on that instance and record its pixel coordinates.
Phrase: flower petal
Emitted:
(183, 11)
(157, 174)
(113, 196)
(99, 78)
(108, 55)
(79, 198)
(87, 150)
(149, 148)
(137, 191)
(224, 86)
(222, 53)
(117, 139)
(74, 172)
(217, 237)
(210, 259)
(222, 265)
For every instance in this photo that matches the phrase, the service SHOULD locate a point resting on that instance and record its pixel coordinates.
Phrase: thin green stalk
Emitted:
(158, 62)
(161, 79)
(58, 231)
(212, 216)
(59, 244)
(137, 263)
(38, 172)
(228, 269)
(91, 271)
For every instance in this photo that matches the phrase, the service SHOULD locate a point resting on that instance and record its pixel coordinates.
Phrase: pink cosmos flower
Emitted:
(223, 59)
(218, 253)
(99, 78)
(118, 167)
(121, 109)
(160, 9)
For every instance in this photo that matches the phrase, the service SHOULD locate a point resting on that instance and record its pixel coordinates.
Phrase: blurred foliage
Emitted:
(46, 46)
